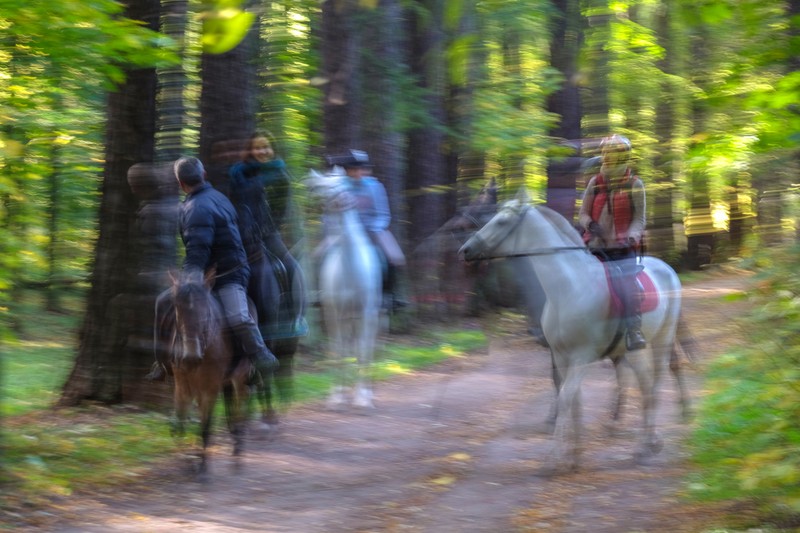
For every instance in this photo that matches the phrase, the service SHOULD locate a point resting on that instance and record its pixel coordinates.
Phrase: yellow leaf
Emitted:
(443, 480)
(223, 33)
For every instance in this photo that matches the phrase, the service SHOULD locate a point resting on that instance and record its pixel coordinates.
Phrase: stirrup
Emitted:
(157, 373)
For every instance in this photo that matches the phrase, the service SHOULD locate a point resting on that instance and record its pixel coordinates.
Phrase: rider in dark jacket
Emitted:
(210, 234)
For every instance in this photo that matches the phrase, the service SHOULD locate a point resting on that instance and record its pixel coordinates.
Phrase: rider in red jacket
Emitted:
(613, 216)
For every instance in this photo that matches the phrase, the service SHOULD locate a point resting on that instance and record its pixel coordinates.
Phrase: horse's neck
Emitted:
(560, 269)
(352, 230)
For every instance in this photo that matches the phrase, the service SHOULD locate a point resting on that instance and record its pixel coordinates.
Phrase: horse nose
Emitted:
(192, 350)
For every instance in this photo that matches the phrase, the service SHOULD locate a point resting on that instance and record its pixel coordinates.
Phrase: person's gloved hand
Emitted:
(595, 229)
(632, 242)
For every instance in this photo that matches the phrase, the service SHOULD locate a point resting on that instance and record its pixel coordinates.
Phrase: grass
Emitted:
(50, 452)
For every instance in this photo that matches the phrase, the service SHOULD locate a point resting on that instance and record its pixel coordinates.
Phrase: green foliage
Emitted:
(57, 59)
(747, 444)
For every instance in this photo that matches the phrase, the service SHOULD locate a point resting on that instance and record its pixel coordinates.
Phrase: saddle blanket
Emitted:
(649, 294)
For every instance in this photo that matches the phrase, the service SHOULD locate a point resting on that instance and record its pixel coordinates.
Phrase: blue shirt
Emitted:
(372, 203)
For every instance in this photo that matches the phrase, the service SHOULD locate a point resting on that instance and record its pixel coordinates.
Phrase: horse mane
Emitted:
(561, 224)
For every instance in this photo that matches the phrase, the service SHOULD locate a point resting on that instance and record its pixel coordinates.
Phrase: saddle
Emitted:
(650, 295)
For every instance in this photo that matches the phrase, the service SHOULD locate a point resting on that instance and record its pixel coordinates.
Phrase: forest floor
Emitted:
(455, 447)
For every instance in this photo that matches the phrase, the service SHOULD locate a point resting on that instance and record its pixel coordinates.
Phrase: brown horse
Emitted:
(451, 287)
(202, 361)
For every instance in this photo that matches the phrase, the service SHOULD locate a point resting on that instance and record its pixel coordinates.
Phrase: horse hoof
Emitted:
(335, 404)
(655, 446)
(363, 398)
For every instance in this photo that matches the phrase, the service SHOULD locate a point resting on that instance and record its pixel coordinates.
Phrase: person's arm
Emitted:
(585, 212)
(638, 199)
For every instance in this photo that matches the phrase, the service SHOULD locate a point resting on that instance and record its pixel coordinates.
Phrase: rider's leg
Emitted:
(237, 314)
(161, 348)
(632, 300)
(391, 286)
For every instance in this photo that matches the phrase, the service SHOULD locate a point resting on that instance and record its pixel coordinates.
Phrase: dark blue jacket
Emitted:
(211, 236)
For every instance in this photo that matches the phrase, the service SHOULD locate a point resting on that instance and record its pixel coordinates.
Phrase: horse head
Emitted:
(546, 231)
(488, 240)
(194, 315)
(332, 189)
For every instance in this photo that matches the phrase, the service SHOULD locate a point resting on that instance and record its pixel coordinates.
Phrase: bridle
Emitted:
(542, 251)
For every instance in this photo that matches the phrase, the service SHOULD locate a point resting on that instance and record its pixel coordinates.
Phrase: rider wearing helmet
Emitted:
(613, 216)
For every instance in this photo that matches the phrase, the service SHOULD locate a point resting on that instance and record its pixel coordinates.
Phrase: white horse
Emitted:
(578, 320)
(350, 290)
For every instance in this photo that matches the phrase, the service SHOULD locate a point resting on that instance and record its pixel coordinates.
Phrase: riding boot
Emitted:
(634, 338)
(390, 288)
(254, 347)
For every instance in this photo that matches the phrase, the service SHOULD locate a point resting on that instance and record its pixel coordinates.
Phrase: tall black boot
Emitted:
(253, 346)
(634, 338)
(390, 287)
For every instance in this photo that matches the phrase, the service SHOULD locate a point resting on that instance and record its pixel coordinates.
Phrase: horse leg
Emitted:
(365, 349)
(231, 395)
(206, 407)
(550, 421)
(619, 399)
(268, 414)
(645, 366)
(336, 398)
(566, 451)
(683, 391)
(181, 401)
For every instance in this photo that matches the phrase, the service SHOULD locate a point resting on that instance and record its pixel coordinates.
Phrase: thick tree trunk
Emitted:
(227, 107)
(115, 341)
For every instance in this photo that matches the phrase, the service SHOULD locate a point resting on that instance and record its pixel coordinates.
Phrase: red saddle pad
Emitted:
(649, 295)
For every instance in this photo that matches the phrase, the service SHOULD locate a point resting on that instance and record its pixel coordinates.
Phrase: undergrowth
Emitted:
(747, 441)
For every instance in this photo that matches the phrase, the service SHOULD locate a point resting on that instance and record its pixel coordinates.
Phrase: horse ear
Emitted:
(523, 196)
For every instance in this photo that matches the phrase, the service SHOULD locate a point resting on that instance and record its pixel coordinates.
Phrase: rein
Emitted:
(542, 251)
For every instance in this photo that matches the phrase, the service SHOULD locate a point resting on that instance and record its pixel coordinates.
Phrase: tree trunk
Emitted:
(172, 82)
(595, 93)
(115, 348)
(427, 184)
(227, 107)
(340, 50)
(383, 139)
(563, 173)
(662, 239)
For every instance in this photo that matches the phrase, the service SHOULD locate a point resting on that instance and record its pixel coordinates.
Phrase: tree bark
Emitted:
(115, 347)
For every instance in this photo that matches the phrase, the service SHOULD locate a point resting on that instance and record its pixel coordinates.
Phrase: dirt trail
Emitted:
(453, 448)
